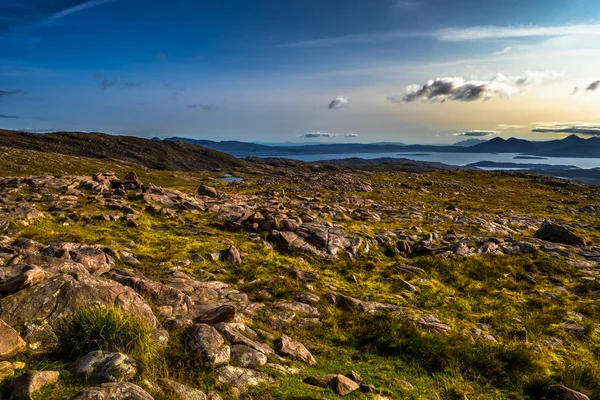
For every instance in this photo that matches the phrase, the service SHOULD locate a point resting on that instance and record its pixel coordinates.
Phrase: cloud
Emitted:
(338, 102)
(204, 107)
(572, 128)
(132, 85)
(6, 93)
(441, 90)
(476, 133)
(503, 51)
(350, 135)
(407, 4)
(457, 34)
(319, 135)
(80, 7)
(105, 83)
(593, 86)
(4, 116)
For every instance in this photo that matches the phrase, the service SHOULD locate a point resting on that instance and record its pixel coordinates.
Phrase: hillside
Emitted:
(306, 281)
(150, 153)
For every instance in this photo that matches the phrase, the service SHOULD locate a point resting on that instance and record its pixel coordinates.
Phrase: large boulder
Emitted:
(207, 191)
(57, 298)
(114, 391)
(555, 233)
(11, 342)
(101, 366)
(247, 357)
(23, 387)
(208, 344)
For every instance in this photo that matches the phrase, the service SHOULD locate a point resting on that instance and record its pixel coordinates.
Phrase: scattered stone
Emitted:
(181, 392)
(114, 391)
(100, 366)
(207, 191)
(11, 342)
(241, 378)
(208, 344)
(247, 357)
(233, 255)
(555, 233)
(343, 386)
(292, 348)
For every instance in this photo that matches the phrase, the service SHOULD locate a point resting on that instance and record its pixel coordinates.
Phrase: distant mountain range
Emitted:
(571, 146)
(470, 142)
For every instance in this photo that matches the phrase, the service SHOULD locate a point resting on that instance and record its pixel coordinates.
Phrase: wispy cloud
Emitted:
(338, 102)
(4, 116)
(570, 128)
(319, 135)
(351, 135)
(593, 86)
(132, 85)
(457, 34)
(80, 7)
(476, 133)
(407, 4)
(503, 51)
(203, 107)
(6, 93)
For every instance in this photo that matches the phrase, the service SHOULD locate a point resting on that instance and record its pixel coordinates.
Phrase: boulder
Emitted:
(23, 387)
(561, 392)
(293, 348)
(207, 191)
(114, 391)
(555, 233)
(55, 299)
(11, 342)
(19, 276)
(212, 316)
(40, 338)
(100, 366)
(241, 378)
(343, 385)
(94, 260)
(247, 357)
(206, 342)
(233, 255)
(177, 391)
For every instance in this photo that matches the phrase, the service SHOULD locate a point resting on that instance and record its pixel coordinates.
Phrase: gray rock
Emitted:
(241, 378)
(177, 391)
(208, 344)
(100, 366)
(114, 391)
(247, 357)
(19, 276)
(293, 348)
(555, 233)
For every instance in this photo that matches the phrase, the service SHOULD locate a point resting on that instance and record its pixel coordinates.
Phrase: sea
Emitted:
(459, 159)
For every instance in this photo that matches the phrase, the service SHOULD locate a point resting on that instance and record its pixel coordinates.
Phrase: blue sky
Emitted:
(431, 71)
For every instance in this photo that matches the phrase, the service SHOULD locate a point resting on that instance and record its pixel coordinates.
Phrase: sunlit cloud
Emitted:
(476, 133)
(338, 102)
(570, 128)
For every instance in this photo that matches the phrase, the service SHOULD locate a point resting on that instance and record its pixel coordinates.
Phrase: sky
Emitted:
(412, 71)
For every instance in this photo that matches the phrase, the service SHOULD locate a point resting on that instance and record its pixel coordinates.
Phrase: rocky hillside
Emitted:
(178, 156)
(296, 285)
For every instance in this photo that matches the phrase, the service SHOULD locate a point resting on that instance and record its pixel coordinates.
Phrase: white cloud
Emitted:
(338, 102)
(441, 90)
(476, 133)
(351, 135)
(503, 51)
(319, 135)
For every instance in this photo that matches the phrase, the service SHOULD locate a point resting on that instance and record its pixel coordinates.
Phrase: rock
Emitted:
(100, 366)
(561, 392)
(19, 276)
(323, 381)
(114, 391)
(11, 342)
(207, 191)
(206, 342)
(224, 313)
(355, 376)
(304, 275)
(233, 334)
(307, 298)
(555, 233)
(6, 370)
(213, 396)
(293, 348)
(23, 387)
(181, 392)
(40, 338)
(343, 386)
(241, 378)
(57, 298)
(233, 255)
(247, 357)
(94, 260)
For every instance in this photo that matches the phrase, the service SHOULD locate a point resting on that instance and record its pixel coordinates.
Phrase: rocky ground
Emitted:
(440, 285)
